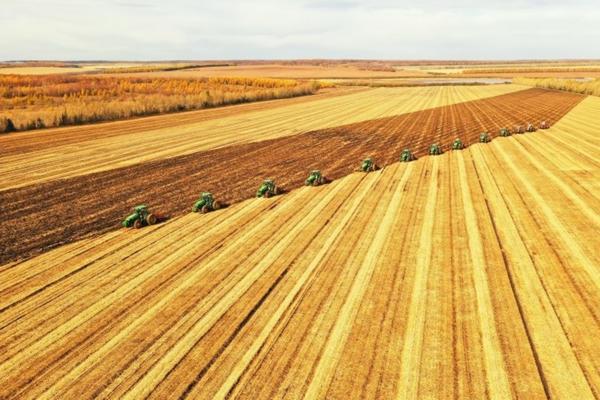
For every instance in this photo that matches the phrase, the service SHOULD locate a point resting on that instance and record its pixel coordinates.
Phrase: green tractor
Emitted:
(504, 132)
(407, 156)
(140, 217)
(315, 178)
(457, 144)
(368, 165)
(206, 203)
(531, 128)
(544, 125)
(267, 189)
(484, 137)
(435, 150)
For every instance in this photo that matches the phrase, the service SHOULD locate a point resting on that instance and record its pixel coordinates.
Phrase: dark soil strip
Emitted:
(38, 217)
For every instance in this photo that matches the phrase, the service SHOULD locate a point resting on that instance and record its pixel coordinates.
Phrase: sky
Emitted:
(269, 29)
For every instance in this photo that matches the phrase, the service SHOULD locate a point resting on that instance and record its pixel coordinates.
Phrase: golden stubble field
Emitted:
(51, 70)
(556, 69)
(473, 274)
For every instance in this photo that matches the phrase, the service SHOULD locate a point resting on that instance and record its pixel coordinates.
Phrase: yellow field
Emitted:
(60, 70)
(118, 150)
(548, 67)
(473, 274)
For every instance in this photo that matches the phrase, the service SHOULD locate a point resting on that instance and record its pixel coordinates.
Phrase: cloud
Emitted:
(228, 29)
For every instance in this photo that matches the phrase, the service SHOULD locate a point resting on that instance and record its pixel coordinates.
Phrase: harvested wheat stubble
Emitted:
(78, 207)
(432, 279)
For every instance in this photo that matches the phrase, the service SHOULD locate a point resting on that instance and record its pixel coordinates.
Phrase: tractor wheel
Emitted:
(216, 205)
(204, 209)
(317, 182)
(137, 224)
(276, 191)
(151, 219)
(267, 194)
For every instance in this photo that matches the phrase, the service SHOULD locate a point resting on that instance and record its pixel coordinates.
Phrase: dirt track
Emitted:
(37, 217)
(470, 275)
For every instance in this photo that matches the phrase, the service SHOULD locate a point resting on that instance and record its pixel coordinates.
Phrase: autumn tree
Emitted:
(6, 125)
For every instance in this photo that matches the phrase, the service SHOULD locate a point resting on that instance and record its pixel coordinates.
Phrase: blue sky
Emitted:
(270, 29)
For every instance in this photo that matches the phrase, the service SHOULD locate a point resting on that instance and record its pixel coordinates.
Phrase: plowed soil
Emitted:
(472, 275)
(34, 218)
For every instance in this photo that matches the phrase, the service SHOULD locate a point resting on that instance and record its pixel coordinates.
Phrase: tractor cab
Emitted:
(141, 211)
(267, 189)
(206, 203)
(406, 156)
(435, 149)
(504, 132)
(530, 128)
(484, 137)
(315, 178)
(368, 165)
(457, 144)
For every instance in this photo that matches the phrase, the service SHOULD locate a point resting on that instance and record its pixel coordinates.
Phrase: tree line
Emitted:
(34, 102)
